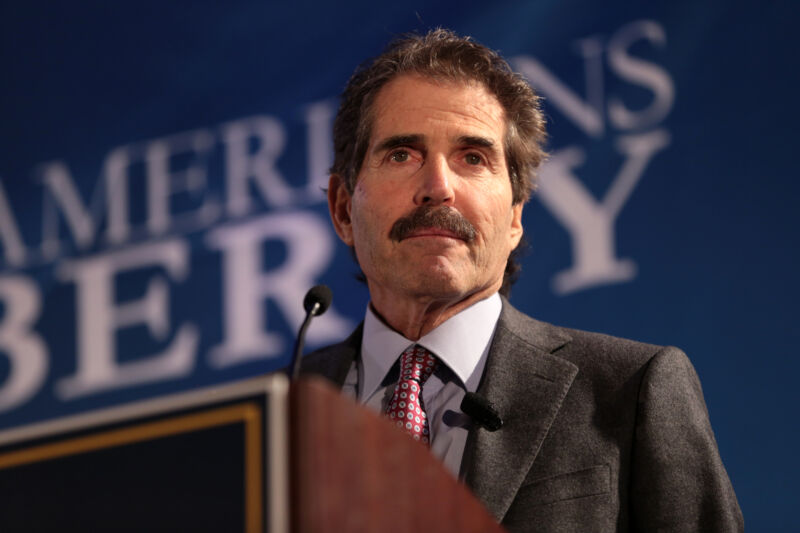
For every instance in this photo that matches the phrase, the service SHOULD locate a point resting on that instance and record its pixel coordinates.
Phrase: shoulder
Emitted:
(333, 362)
(595, 354)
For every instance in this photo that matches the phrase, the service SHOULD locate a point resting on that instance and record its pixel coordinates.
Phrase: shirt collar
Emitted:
(462, 343)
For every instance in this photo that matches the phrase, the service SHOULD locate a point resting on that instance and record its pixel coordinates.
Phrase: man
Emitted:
(436, 144)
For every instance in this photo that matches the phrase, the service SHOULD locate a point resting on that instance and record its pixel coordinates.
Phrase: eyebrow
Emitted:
(397, 140)
(472, 140)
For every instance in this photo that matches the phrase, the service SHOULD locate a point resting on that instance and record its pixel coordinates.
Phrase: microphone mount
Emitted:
(481, 411)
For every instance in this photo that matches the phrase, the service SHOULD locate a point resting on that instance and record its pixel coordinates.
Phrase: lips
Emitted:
(433, 232)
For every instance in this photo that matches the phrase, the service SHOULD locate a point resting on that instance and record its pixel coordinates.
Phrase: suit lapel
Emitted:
(527, 385)
(334, 361)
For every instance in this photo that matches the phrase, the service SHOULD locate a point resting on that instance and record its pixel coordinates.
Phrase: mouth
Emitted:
(433, 232)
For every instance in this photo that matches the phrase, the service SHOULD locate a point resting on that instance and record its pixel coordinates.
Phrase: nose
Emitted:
(436, 183)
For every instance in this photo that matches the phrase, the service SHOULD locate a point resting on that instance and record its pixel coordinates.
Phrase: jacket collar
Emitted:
(527, 385)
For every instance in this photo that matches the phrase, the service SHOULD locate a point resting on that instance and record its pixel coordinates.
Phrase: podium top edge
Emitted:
(276, 384)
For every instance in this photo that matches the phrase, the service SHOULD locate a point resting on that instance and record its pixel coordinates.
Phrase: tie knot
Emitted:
(417, 363)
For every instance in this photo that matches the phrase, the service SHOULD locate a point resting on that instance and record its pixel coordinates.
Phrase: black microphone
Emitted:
(317, 300)
(481, 411)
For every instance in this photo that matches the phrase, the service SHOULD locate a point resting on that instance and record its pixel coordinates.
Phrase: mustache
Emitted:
(424, 217)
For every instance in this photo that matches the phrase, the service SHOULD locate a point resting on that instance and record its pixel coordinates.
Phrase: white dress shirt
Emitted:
(461, 344)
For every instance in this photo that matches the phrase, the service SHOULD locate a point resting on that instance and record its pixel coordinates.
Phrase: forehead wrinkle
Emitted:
(483, 108)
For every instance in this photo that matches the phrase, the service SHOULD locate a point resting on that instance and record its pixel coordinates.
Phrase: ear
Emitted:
(339, 204)
(515, 233)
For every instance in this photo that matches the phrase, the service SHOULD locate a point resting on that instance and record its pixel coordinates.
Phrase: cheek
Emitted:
(494, 219)
(370, 221)
(360, 207)
(379, 208)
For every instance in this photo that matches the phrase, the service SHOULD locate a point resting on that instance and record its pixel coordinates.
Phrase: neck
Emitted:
(415, 317)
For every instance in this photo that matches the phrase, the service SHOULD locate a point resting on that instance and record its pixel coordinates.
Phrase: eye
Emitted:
(473, 159)
(399, 156)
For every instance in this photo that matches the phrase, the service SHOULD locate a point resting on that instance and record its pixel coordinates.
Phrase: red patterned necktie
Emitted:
(405, 408)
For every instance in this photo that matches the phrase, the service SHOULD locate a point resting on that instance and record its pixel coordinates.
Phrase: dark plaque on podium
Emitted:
(208, 460)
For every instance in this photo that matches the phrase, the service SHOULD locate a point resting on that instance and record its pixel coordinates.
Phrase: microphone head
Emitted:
(317, 300)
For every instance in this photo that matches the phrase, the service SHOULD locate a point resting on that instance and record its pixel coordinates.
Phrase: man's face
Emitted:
(431, 215)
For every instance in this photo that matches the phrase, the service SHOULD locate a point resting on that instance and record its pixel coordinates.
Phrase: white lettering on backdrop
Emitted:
(309, 245)
(171, 186)
(99, 318)
(589, 222)
(24, 348)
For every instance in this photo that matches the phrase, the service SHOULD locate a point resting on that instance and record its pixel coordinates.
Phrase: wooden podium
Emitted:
(251, 456)
(354, 471)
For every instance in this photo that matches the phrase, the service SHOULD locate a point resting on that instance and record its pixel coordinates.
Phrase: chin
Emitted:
(439, 284)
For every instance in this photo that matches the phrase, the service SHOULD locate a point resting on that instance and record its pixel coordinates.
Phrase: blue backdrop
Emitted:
(161, 214)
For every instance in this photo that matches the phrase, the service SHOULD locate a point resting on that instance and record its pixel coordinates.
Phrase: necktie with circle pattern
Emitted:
(405, 408)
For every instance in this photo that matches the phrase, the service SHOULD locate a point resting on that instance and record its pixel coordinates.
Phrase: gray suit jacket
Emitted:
(599, 434)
